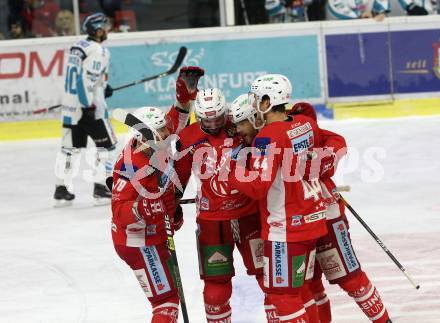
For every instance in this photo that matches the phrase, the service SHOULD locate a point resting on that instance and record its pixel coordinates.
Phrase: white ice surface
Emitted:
(58, 265)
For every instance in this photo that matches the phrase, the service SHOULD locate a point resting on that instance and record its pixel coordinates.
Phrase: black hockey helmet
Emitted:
(94, 22)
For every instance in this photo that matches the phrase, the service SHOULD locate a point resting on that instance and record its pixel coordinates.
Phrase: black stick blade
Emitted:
(179, 60)
(130, 120)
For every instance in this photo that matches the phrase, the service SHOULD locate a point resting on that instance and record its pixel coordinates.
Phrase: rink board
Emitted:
(386, 109)
(385, 64)
(40, 129)
(369, 70)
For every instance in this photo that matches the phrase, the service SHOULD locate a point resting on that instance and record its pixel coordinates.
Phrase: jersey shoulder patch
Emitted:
(78, 51)
(260, 146)
(83, 43)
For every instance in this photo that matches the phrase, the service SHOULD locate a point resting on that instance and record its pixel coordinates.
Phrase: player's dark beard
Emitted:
(99, 39)
(212, 132)
(103, 37)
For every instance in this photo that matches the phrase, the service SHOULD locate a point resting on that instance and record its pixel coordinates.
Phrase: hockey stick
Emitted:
(177, 277)
(179, 60)
(344, 188)
(133, 122)
(379, 242)
(54, 107)
(130, 120)
(187, 201)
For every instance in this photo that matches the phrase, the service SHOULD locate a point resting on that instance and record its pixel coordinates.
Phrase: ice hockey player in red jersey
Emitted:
(144, 194)
(225, 218)
(292, 208)
(334, 251)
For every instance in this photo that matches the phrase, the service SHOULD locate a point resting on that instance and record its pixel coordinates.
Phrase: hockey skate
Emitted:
(102, 194)
(62, 196)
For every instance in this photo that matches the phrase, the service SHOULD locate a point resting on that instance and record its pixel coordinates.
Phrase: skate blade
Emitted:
(62, 203)
(102, 201)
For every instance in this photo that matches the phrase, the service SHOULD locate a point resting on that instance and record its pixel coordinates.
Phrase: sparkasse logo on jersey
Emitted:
(155, 269)
(347, 251)
(280, 270)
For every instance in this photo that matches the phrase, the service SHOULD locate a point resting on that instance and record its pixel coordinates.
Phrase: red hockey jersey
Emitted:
(335, 207)
(206, 155)
(134, 175)
(292, 209)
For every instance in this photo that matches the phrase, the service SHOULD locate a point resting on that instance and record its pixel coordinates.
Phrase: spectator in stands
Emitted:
(203, 13)
(353, 9)
(109, 7)
(40, 16)
(17, 28)
(15, 7)
(316, 10)
(123, 26)
(250, 11)
(419, 7)
(65, 23)
(280, 11)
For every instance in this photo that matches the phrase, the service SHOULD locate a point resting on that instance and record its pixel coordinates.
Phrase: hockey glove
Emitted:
(186, 84)
(89, 112)
(146, 208)
(303, 108)
(108, 92)
(178, 218)
(415, 10)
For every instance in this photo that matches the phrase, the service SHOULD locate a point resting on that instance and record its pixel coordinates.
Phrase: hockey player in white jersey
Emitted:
(354, 9)
(84, 112)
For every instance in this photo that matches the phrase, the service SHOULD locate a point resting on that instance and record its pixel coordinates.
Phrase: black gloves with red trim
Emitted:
(186, 84)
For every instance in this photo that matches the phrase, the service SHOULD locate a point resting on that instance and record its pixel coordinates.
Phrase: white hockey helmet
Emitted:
(240, 110)
(154, 118)
(210, 109)
(276, 87)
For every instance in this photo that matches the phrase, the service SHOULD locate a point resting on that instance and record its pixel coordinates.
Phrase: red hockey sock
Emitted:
(324, 310)
(289, 308)
(218, 313)
(166, 311)
(367, 297)
(269, 308)
(309, 303)
(216, 296)
(271, 313)
(322, 301)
